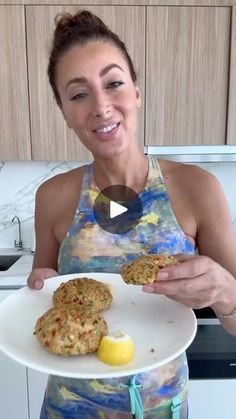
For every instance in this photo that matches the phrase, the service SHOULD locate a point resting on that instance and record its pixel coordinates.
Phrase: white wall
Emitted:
(20, 180)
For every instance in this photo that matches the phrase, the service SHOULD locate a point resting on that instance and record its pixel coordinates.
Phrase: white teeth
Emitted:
(107, 129)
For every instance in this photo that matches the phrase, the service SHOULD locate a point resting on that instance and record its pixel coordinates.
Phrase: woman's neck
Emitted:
(131, 171)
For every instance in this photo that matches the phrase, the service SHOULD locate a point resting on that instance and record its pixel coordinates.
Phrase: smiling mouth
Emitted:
(107, 129)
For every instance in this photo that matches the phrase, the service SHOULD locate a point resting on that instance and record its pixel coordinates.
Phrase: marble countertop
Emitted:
(17, 274)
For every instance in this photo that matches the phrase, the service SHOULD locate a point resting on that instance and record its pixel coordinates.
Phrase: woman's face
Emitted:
(99, 99)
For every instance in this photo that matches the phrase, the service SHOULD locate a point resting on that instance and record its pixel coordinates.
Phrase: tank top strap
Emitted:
(154, 173)
(88, 190)
(88, 181)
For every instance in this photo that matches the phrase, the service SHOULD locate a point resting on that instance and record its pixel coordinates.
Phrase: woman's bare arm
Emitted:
(207, 279)
(55, 205)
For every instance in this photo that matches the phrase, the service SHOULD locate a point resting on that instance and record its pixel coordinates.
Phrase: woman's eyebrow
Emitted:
(75, 80)
(105, 70)
(102, 73)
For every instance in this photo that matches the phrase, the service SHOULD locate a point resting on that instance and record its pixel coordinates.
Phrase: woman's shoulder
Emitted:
(188, 175)
(195, 194)
(61, 192)
(63, 182)
(198, 189)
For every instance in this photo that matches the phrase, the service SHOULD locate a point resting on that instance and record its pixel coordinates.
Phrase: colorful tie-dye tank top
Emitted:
(88, 248)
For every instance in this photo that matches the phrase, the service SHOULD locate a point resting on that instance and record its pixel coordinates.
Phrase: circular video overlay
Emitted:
(117, 209)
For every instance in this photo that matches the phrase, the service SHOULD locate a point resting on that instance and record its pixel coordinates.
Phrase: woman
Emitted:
(94, 83)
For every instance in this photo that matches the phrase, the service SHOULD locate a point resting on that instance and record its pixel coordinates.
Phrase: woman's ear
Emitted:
(138, 97)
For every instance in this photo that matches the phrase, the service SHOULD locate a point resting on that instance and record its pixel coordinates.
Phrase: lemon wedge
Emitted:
(110, 287)
(116, 349)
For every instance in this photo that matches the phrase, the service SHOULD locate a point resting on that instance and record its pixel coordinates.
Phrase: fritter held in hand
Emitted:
(70, 330)
(144, 269)
(84, 292)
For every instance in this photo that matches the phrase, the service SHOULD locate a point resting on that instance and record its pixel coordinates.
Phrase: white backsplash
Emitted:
(226, 174)
(20, 180)
(18, 183)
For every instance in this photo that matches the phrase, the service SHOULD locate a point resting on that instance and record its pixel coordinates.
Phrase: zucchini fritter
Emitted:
(84, 292)
(144, 269)
(70, 330)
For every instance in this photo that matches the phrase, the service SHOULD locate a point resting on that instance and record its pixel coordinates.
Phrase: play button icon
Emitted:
(117, 209)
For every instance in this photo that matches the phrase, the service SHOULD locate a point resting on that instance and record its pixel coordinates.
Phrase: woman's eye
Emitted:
(115, 84)
(79, 96)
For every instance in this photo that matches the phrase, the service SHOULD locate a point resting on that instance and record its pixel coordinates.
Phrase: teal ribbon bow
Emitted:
(175, 407)
(135, 399)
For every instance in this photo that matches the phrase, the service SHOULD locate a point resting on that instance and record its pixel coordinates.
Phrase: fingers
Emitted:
(37, 277)
(181, 287)
(189, 267)
(38, 284)
(195, 292)
(190, 292)
(194, 282)
(185, 288)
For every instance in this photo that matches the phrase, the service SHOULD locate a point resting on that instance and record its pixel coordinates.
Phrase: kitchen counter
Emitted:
(17, 274)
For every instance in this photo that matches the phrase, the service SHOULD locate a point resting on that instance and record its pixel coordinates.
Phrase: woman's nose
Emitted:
(101, 106)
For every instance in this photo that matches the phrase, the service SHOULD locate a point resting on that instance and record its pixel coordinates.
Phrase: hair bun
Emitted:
(83, 21)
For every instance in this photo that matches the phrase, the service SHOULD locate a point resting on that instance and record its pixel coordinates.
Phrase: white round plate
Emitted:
(161, 329)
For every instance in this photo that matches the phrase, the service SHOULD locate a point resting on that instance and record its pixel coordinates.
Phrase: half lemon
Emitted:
(116, 349)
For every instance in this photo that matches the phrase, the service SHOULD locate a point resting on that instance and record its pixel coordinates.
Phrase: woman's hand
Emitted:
(38, 275)
(197, 282)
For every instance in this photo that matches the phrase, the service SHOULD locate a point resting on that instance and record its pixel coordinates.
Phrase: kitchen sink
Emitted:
(6, 261)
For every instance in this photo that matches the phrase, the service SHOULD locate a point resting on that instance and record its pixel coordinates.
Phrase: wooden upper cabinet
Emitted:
(14, 110)
(231, 127)
(51, 138)
(187, 75)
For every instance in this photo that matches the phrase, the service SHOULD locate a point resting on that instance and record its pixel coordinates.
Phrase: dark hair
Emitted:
(80, 28)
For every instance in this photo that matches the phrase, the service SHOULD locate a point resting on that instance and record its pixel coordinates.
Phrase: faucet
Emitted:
(18, 244)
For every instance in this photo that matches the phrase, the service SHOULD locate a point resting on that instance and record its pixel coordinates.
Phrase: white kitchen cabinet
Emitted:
(212, 399)
(36, 384)
(13, 384)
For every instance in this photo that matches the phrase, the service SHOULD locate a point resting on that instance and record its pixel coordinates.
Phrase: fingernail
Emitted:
(38, 284)
(162, 275)
(148, 288)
